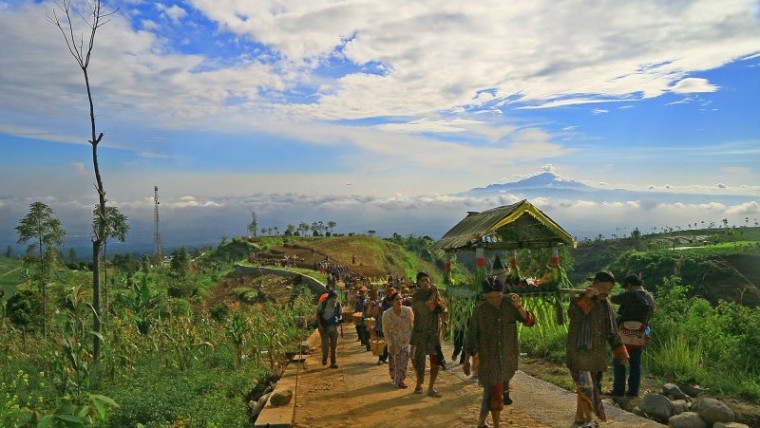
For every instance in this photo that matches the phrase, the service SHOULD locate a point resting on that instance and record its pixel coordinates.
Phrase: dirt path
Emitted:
(360, 394)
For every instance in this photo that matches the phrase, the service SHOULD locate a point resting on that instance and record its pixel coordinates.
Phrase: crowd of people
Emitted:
(405, 320)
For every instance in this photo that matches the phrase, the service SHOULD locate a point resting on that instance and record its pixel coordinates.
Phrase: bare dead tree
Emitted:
(82, 53)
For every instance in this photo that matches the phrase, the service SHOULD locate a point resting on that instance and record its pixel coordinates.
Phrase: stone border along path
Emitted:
(359, 394)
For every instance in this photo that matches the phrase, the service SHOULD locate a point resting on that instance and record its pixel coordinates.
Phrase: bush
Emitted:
(200, 397)
(219, 312)
(22, 307)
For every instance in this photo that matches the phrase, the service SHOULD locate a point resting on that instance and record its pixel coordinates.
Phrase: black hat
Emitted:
(497, 268)
(421, 275)
(493, 283)
(632, 280)
(603, 276)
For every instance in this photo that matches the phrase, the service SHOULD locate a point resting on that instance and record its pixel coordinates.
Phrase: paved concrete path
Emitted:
(359, 394)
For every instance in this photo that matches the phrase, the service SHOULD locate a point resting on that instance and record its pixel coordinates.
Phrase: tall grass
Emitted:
(546, 339)
(677, 358)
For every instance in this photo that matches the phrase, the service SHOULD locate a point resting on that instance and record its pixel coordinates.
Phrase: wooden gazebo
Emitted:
(510, 227)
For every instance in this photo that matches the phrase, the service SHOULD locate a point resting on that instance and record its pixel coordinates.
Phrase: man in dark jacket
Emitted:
(328, 317)
(635, 311)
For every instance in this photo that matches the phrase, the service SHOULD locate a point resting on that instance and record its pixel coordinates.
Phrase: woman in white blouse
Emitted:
(397, 329)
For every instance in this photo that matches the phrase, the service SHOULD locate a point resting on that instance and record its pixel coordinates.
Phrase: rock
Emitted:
(712, 410)
(281, 398)
(657, 407)
(687, 420)
(729, 425)
(673, 391)
(693, 390)
(305, 347)
(258, 404)
(680, 406)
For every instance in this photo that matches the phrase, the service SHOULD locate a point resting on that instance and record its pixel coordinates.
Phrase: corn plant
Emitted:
(237, 332)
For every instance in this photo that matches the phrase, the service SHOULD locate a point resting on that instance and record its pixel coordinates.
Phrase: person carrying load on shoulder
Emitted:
(328, 318)
(634, 314)
(425, 337)
(592, 328)
(492, 336)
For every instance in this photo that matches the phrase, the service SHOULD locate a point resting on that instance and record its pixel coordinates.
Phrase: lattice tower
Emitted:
(158, 248)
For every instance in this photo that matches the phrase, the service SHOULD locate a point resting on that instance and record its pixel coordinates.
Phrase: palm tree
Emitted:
(43, 232)
(290, 230)
(303, 227)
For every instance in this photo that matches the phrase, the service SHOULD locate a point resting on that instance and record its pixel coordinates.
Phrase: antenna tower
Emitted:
(158, 248)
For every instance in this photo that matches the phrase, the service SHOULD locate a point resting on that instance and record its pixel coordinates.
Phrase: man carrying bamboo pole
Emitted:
(592, 323)
(492, 336)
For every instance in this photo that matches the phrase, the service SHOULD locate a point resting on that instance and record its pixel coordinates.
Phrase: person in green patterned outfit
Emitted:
(492, 336)
(426, 306)
(592, 328)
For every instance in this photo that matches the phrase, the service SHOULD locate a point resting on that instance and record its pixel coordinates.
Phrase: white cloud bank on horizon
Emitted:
(209, 219)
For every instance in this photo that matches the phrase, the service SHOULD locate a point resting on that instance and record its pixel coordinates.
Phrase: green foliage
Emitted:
(199, 397)
(219, 312)
(11, 271)
(547, 337)
(717, 346)
(22, 308)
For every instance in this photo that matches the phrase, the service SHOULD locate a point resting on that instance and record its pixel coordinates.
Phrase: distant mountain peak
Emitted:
(544, 180)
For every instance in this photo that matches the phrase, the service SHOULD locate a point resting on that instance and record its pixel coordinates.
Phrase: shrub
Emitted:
(22, 307)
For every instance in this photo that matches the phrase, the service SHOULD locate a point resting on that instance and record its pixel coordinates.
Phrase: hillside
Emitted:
(716, 263)
(10, 275)
(371, 257)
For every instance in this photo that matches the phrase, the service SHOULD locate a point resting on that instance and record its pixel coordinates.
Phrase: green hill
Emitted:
(10, 275)
(715, 263)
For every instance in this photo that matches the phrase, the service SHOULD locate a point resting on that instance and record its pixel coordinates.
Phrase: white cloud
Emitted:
(599, 111)
(79, 167)
(691, 85)
(175, 13)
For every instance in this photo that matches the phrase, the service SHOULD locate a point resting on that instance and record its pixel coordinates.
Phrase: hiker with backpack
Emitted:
(633, 317)
(329, 312)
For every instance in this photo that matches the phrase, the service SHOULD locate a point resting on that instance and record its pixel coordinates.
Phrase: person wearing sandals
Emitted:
(425, 338)
(492, 336)
(397, 329)
(592, 323)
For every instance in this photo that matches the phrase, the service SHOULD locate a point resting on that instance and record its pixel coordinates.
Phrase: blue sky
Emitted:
(373, 114)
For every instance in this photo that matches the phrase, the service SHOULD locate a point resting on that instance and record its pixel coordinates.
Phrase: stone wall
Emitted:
(311, 283)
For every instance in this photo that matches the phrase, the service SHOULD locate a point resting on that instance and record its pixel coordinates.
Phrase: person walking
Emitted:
(634, 314)
(384, 304)
(328, 317)
(492, 336)
(592, 323)
(425, 337)
(397, 329)
(360, 305)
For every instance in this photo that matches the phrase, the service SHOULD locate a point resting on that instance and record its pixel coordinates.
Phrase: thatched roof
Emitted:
(520, 225)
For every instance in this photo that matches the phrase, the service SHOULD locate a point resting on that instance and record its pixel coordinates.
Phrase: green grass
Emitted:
(10, 275)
